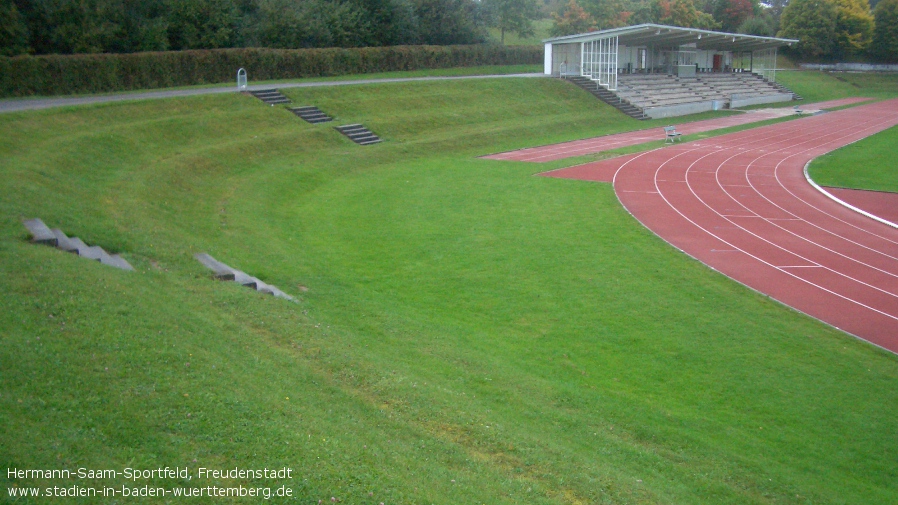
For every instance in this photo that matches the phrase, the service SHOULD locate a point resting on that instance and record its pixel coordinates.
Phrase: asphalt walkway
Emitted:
(20, 104)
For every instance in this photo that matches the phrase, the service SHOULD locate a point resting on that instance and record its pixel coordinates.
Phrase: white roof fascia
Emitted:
(675, 35)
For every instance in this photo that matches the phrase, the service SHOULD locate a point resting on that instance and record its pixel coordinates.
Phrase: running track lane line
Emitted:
(740, 204)
(846, 299)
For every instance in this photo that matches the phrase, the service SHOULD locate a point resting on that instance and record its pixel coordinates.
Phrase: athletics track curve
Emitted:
(740, 203)
(606, 142)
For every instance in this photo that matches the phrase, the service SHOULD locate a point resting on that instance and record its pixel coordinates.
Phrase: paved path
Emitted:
(19, 104)
(741, 204)
(607, 142)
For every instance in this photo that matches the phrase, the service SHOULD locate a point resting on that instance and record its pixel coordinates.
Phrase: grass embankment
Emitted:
(469, 334)
(819, 86)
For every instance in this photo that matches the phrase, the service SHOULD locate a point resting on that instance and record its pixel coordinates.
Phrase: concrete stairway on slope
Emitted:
(795, 96)
(311, 114)
(270, 96)
(225, 273)
(358, 134)
(608, 97)
(41, 234)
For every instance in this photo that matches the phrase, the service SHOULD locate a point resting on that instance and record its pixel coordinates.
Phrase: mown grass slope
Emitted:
(815, 86)
(465, 332)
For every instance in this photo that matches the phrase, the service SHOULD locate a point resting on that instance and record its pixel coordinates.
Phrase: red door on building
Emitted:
(718, 62)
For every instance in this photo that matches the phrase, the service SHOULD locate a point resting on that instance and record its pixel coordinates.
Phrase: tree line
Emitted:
(125, 26)
(828, 29)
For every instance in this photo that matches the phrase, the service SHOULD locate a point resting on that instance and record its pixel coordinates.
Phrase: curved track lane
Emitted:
(741, 204)
(606, 142)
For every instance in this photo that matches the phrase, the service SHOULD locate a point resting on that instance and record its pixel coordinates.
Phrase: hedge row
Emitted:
(96, 73)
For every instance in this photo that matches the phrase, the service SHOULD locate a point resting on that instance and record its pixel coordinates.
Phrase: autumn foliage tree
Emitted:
(732, 13)
(675, 13)
(813, 23)
(854, 28)
(608, 13)
(574, 19)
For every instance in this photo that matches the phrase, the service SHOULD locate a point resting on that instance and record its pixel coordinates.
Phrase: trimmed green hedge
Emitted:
(96, 73)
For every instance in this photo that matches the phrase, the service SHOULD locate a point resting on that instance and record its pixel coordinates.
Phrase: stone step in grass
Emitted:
(42, 234)
(358, 134)
(224, 272)
(270, 96)
(65, 243)
(311, 114)
(219, 269)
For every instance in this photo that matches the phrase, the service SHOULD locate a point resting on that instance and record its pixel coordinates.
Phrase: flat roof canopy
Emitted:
(663, 35)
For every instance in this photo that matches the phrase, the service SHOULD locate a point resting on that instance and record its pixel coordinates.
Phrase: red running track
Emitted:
(741, 204)
(604, 143)
(880, 204)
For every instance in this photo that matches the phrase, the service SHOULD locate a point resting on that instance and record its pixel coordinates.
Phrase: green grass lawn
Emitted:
(867, 164)
(465, 332)
(817, 86)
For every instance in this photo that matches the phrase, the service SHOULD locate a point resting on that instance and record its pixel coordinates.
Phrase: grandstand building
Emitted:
(655, 71)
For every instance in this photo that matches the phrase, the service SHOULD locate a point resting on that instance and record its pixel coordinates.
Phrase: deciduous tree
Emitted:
(732, 13)
(202, 24)
(13, 30)
(854, 27)
(813, 22)
(573, 20)
(675, 13)
(759, 25)
(514, 16)
(444, 22)
(885, 34)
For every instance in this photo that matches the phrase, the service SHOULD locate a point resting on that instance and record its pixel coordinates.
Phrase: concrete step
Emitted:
(607, 96)
(65, 243)
(270, 96)
(115, 260)
(79, 246)
(358, 134)
(40, 233)
(244, 279)
(219, 269)
(93, 253)
(222, 271)
(55, 237)
(311, 114)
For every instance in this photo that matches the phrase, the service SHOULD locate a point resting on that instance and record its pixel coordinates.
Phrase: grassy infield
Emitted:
(466, 332)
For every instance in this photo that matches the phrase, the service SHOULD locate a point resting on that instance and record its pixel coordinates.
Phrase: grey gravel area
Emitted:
(20, 104)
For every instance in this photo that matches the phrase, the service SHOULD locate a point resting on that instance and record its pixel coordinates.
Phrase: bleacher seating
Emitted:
(659, 90)
(636, 94)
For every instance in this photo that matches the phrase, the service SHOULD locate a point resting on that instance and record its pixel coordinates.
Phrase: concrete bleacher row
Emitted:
(662, 90)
